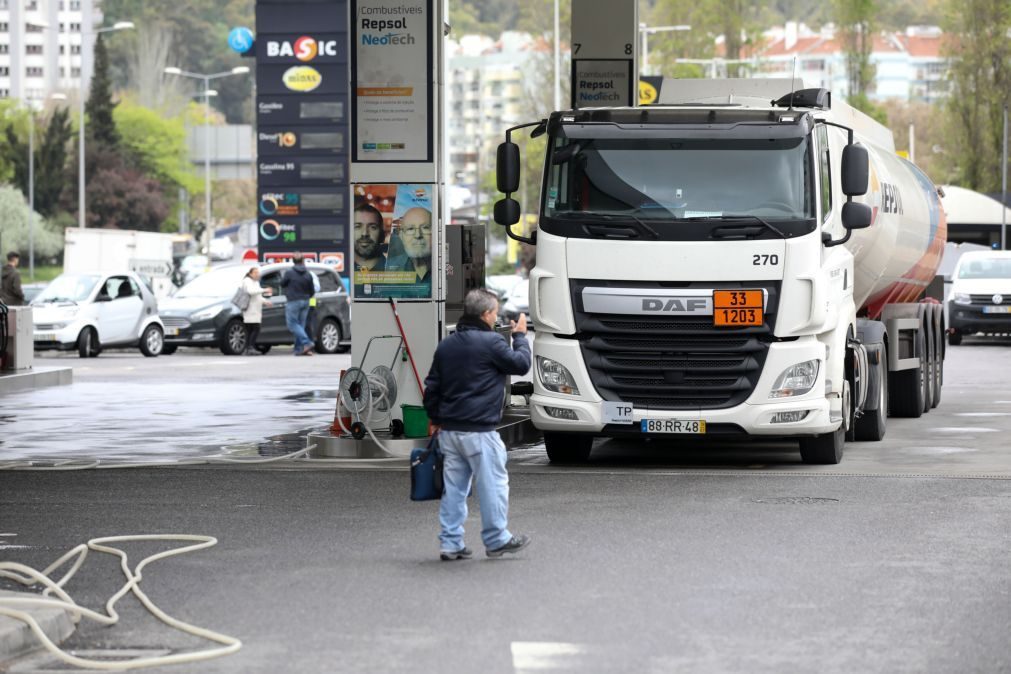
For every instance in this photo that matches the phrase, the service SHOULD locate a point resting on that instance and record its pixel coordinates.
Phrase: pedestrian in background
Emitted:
(464, 398)
(253, 314)
(10, 282)
(298, 289)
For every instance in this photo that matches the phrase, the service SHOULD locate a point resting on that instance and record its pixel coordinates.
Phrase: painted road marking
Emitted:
(540, 656)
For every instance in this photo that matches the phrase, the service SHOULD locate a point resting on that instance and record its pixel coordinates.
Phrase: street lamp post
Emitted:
(646, 31)
(31, 185)
(237, 70)
(82, 208)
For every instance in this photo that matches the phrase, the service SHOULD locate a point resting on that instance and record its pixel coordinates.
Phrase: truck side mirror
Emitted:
(855, 167)
(856, 215)
(507, 211)
(508, 167)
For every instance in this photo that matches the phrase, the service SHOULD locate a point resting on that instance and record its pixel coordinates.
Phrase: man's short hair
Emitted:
(363, 206)
(11, 256)
(297, 258)
(478, 301)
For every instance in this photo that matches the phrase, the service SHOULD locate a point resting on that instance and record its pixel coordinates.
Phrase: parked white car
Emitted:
(89, 312)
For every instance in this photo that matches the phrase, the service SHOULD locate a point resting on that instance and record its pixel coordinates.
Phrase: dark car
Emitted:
(201, 313)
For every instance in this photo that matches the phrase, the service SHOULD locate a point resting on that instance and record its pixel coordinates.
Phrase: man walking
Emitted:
(463, 395)
(298, 288)
(10, 282)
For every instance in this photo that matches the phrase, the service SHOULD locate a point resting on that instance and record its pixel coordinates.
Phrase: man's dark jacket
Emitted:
(297, 283)
(10, 286)
(464, 389)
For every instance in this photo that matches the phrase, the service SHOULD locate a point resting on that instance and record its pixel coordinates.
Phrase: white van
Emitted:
(980, 295)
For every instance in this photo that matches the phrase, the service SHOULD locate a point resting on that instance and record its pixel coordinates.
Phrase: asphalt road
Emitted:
(652, 558)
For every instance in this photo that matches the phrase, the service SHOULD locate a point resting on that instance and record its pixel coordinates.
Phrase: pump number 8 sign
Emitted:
(738, 308)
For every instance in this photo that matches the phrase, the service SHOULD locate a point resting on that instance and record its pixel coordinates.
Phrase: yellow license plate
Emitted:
(738, 308)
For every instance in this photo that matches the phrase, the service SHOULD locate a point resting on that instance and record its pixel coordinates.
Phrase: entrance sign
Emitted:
(391, 81)
(604, 39)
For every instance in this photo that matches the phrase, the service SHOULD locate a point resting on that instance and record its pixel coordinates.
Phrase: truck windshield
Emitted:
(671, 180)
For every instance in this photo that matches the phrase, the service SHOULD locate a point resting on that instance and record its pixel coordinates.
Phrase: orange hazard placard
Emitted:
(738, 308)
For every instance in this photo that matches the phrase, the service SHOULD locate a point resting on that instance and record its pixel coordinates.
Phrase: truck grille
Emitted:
(672, 362)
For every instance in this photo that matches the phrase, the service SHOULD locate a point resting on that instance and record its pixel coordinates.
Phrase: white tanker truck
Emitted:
(740, 260)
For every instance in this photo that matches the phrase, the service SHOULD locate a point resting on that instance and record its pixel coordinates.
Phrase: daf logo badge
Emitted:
(998, 299)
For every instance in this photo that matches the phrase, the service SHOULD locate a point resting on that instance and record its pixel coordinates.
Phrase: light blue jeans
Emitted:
(295, 313)
(483, 456)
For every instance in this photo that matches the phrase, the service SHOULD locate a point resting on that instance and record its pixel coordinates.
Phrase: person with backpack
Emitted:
(252, 313)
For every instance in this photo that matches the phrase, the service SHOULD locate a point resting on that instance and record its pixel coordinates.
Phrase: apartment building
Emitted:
(45, 48)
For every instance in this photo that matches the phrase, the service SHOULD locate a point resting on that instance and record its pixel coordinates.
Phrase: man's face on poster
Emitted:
(368, 235)
(416, 233)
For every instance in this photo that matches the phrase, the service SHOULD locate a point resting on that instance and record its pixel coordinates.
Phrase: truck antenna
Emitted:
(793, 78)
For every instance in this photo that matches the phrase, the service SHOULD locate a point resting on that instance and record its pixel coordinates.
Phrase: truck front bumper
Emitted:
(758, 415)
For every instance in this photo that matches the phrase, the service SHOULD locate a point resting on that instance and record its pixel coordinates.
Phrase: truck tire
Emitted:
(929, 375)
(938, 370)
(567, 448)
(824, 449)
(908, 387)
(871, 426)
(87, 343)
(233, 338)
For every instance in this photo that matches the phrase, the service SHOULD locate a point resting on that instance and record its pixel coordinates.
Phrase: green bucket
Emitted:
(415, 421)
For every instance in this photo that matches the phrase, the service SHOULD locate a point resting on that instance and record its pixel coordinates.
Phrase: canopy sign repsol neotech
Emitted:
(302, 129)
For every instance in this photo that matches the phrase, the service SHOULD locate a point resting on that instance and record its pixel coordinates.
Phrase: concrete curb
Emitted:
(17, 638)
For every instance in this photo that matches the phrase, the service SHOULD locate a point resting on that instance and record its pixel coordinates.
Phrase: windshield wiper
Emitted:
(736, 231)
(607, 217)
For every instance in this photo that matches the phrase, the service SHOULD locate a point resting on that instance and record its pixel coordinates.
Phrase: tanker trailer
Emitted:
(742, 260)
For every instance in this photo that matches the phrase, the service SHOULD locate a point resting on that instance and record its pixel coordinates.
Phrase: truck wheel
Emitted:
(87, 343)
(871, 426)
(823, 449)
(565, 448)
(152, 341)
(233, 340)
(954, 338)
(930, 374)
(938, 369)
(908, 388)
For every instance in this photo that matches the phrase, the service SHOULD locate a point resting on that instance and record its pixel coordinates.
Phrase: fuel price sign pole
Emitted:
(604, 40)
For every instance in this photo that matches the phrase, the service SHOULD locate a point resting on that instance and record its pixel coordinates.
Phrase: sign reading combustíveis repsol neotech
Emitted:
(302, 130)
(391, 80)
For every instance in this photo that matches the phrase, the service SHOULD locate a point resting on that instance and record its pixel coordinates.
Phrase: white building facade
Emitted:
(44, 48)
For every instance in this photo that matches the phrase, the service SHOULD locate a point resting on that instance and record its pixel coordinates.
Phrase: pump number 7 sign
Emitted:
(738, 308)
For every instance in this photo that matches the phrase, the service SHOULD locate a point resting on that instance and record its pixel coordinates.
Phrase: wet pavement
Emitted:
(194, 403)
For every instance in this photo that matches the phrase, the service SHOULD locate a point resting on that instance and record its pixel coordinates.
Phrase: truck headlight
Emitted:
(961, 298)
(556, 377)
(796, 380)
(209, 312)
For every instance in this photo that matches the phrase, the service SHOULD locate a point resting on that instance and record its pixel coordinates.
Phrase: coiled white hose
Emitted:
(28, 576)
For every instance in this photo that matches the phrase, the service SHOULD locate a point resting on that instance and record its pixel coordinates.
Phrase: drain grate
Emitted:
(796, 500)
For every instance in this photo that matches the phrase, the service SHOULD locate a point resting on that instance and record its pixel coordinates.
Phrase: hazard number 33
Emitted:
(696, 426)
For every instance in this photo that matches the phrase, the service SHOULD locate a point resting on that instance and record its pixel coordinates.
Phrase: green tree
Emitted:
(158, 145)
(47, 240)
(856, 20)
(980, 74)
(51, 141)
(99, 107)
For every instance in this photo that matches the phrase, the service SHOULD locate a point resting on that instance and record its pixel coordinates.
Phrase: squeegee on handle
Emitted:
(407, 346)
